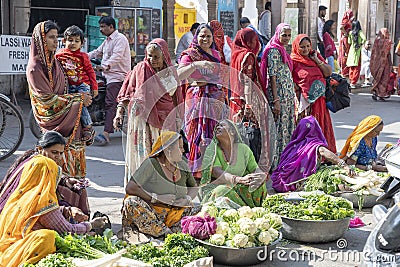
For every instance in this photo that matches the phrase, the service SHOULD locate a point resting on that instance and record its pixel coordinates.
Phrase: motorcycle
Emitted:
(383, 244)
(96, 109)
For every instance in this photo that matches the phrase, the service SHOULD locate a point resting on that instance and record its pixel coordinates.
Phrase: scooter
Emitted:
(96, 109)
(383, 244)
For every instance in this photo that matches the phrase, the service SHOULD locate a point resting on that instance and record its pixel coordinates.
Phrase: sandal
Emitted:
(101, 140)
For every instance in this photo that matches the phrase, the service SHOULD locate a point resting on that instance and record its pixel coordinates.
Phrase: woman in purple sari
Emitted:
(205, 99)
(302, 156)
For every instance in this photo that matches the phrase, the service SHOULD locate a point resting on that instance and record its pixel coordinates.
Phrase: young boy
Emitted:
(80, 73)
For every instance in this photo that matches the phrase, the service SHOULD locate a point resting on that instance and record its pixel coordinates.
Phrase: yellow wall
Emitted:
(183, 20)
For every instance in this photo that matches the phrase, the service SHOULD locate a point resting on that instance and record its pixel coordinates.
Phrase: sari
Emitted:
(245, 164)
(36, 193)
(204, 104)
(56, 110)
(300, 157)
(381, 65)
(344, 46)
(276, 62)
(354, 140)
(154, 99)
(156, 218)
(308, 76)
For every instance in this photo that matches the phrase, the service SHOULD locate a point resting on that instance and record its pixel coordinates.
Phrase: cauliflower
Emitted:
(210, 209)
(240, 240)
(264, 238)
(247, 226)
(262, 224)
(274, 233)
(258, 212)
(222, 228)
(230, 215)
(274, 220)
(245, 212)
(217, 239)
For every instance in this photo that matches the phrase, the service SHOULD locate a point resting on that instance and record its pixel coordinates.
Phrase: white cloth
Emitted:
(365, 60)
(320, 28)
(264, 24)
(183, 44)
(227, 51)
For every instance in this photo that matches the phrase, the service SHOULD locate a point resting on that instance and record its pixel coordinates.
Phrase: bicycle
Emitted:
(11, 127)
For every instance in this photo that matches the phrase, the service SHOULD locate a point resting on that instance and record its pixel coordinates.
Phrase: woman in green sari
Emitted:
(230, 169)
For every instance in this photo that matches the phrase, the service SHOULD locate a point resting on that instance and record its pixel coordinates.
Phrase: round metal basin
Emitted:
(369, 200)
(308, 231)
(240, 256)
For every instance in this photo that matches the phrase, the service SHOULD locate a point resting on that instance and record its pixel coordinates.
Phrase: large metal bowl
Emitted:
(368, 200)
(240, 256)
(309, 231)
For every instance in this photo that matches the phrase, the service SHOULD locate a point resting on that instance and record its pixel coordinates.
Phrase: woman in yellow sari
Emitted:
(360, 147)
(31, 215)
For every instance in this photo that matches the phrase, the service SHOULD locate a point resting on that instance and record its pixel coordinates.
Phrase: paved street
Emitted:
(105, 171)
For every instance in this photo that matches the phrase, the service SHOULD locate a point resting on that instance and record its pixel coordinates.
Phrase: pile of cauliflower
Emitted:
(243, 228)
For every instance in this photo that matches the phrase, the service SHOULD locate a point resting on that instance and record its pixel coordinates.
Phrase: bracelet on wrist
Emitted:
(153, 198)
(341, 163)
(321, 63)
(369, 167)
(276, 100)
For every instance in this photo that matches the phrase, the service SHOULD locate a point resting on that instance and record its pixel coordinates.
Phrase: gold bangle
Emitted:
(276, 100)
(321, 63)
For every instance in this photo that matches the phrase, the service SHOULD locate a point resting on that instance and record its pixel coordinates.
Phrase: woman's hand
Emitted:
(168, 199)
(78, 215)
(119, 118)
(277, 108)
(87, 99)
(257, 179)
(204, 64)
(378, 167)
(350, 171)
(98, 222)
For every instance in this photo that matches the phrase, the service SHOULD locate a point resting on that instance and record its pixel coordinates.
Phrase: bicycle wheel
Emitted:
(11, 128)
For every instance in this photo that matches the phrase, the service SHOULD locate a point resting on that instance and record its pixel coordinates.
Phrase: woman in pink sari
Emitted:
(381, 66)
(151, 98)
(344, 46)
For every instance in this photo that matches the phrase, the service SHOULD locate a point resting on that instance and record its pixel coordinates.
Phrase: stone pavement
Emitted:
(106, 169)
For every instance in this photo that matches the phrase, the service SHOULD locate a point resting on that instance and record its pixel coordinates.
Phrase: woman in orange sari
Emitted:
(309, 72)
(381, 66)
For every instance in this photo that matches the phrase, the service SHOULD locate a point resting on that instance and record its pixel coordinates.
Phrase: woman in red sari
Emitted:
(309, 72)
(381, 66)
(248, 100)
(205, 99)
(344, 47)
(152, 94)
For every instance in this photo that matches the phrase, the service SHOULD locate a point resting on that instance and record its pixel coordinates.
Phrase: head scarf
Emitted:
(164, 140)
(211, 153)
(219, 38)
(300, 157)
(306, 74)
(240, 52)
(348, 17)
(146, 89)
(34, 196)
(363, 128)
(275, 43)
(197, 53)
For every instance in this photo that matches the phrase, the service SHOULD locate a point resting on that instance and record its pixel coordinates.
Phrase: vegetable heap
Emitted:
(243, 228)
(328, 178)
(52, 260)
(313, 207)
(178, 250)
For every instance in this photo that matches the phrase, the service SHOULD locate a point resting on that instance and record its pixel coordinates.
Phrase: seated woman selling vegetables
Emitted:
(302, 156)
(160, 191)
(360, 147)
(31, 214)
(230, 169)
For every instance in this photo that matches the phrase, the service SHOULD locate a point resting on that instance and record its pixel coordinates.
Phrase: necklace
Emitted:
(174, 172)
(227, 159)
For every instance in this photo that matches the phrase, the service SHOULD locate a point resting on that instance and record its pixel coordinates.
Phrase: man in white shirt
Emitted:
(264, 23)
(185, 41)
(115, 64)
(365, 72)
(321, 22)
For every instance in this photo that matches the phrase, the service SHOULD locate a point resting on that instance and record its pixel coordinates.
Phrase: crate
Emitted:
(96, 41)
(92, 21)
(93, 31)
